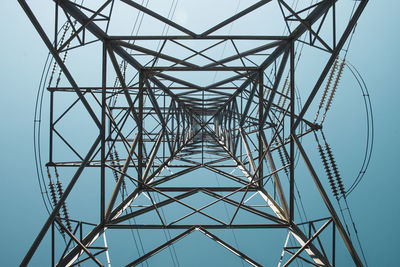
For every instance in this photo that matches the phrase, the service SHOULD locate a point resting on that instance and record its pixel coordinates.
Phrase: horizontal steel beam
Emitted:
(209, 37)
(205, 226)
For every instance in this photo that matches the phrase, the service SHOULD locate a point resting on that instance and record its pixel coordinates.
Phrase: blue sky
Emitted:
(374, 51)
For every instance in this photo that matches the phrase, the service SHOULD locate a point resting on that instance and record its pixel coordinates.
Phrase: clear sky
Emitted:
(374, 52)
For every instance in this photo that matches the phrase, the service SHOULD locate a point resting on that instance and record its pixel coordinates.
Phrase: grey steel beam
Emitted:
(103, 134)
(184, 109)
(120, 179)
(208, 37)
(159, 17)
(156, 54)
(276, 84)
(235, 17)
(73, 237)
(244, 207)
(292, 133)
(173, 176)
(275, 174)
(160, 248)
(246, 53)
(204, 226)
(222, 68)
(213, 189)
(229, 247)
(76, 32)
(308, 242)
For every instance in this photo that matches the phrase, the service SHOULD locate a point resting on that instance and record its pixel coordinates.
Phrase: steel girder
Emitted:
(193, 126)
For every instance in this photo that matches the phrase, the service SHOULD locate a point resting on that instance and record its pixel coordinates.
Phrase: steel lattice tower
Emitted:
(160, 132)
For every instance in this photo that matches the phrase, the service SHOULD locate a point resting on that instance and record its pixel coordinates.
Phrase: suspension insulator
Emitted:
(117, 82)
(52, 72)
(66, 27)
(283, 90)
(327, 87)
(124, 70)
(64, 206)
(53, 193)
(286, 155)
(52, 189)
(334, 87)
(117, 159)
(56, 172)
(328, 172)
(335, 169)
(48, 173)
(113, 163)
(54, 199)
(286, 96)
(282, 159)
(64, 59)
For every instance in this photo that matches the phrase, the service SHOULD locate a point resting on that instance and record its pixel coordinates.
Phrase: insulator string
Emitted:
(327, 87)
(64, 205)
(334, 88)
(66, 28)
(64, 58)
(113, 164)
(283, 91)
(286, 96)
(327, 169)
(335, 169)
(53, 195)
(282, 158)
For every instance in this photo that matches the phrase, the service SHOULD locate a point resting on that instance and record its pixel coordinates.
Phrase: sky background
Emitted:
(374, 52)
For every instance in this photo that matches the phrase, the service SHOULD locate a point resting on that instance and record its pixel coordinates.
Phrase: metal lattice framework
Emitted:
(159, 129)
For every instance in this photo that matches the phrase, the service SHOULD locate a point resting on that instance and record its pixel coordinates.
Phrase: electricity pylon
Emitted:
(160, 131)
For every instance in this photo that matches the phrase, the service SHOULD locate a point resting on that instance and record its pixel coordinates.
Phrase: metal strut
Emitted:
(183, 123)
